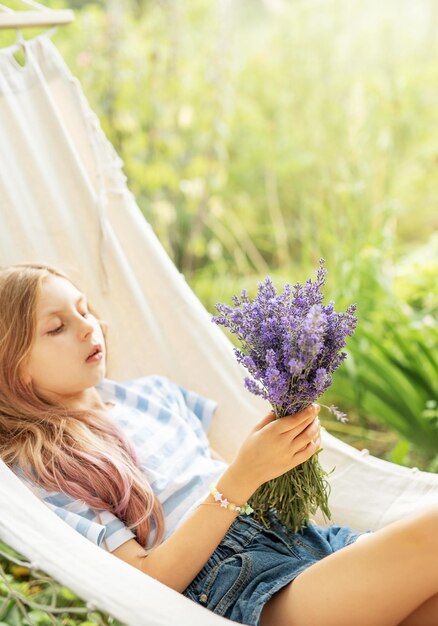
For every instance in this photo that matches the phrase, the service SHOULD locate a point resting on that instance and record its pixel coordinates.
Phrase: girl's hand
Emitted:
(275, 446)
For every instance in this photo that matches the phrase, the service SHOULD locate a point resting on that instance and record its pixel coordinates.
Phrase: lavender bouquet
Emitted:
(291, 344)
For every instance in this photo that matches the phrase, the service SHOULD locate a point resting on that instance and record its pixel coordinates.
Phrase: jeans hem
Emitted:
(265, 597)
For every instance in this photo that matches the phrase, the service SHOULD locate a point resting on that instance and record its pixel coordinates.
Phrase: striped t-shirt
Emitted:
(167, 425)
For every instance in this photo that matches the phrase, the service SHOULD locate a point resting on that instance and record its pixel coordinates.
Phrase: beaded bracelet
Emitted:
(245, 509)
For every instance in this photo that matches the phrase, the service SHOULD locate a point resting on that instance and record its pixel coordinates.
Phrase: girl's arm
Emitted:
(272, 448)
(177, 560)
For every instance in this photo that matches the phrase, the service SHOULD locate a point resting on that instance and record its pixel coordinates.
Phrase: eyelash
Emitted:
(56, 331)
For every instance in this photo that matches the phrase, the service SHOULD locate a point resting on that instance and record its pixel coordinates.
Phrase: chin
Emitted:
(101, 375)
(97, 376)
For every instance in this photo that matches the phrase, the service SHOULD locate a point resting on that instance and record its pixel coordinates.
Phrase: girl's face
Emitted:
(66, 334)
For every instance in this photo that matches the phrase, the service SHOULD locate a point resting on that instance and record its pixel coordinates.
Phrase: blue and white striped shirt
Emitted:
(167, 425)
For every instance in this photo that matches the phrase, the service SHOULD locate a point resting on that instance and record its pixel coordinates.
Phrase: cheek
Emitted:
(33, 368)
(48, 356)
(39, 361)
(51, 367)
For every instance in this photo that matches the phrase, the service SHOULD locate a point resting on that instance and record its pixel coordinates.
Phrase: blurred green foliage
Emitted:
(29, 597)
(392, 371)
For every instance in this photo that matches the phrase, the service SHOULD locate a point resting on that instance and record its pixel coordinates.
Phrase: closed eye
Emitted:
(56, 331)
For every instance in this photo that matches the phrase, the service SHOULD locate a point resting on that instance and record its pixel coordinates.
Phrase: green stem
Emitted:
(295, 495)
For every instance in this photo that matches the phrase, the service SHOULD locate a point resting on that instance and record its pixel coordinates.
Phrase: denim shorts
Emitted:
(252, 563)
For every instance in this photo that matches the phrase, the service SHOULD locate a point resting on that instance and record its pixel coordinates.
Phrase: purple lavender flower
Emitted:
(291, 343)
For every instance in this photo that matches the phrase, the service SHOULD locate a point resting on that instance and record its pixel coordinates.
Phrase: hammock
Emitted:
(64, 201)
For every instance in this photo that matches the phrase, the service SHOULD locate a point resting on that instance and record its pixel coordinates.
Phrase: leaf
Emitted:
(429, 357)
(405, 386)
(14, 616)
(400, 451)
(384, 382)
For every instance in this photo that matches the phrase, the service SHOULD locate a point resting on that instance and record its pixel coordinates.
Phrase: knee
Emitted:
(429, 515)
(424, 523)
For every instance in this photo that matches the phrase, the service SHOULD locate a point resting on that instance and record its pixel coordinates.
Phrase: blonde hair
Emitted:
(81, 453)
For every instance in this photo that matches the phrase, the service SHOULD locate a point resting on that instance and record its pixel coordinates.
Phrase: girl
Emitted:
(129, 466)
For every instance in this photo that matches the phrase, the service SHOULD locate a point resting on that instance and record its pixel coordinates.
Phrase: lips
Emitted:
(95, 350)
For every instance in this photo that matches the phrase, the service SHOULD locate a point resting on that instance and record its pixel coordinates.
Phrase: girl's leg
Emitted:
(425, 615)
(381, 580)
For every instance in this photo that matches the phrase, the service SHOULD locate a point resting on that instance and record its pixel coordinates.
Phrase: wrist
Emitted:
(235, 485)
(224, 503)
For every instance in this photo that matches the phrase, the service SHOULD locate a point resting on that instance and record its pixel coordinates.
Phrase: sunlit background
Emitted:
(259, 136)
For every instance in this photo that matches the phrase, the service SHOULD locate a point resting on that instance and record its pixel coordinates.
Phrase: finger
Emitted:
(303, 418)
(304, 447)
(305, 453)
(312, 422)
(317, 441)
(308, 434)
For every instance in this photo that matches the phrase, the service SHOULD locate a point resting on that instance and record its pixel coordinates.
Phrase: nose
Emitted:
(86, 327)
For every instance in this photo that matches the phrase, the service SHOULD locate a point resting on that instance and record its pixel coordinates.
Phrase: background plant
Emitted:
(29, 597)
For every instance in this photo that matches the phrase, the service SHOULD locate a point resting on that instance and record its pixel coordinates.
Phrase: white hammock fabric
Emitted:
(64, 201)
